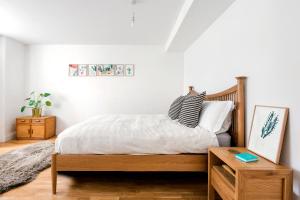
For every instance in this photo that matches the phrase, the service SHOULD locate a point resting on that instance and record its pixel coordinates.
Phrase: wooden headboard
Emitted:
(236, 94)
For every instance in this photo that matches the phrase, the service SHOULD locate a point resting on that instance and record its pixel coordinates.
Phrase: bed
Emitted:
(159, 155)
(136, 135)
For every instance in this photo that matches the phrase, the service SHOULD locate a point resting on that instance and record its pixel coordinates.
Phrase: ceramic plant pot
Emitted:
(36, 112)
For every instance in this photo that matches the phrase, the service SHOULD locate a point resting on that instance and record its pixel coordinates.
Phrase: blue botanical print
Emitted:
(269, 125)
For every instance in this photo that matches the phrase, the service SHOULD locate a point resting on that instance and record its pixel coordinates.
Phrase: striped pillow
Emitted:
(190, 110)
(175, 108)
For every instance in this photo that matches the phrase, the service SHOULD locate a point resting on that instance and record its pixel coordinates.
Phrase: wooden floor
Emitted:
(109, 185)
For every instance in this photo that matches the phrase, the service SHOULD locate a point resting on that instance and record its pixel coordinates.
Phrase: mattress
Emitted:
(133, 134)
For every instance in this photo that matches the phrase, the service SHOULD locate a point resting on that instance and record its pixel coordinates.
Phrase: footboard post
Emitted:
(54, 173)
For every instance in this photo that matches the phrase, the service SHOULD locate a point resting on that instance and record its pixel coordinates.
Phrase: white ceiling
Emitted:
(176, 24)
(88, 21)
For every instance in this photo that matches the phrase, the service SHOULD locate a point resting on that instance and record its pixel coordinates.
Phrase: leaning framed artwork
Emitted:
(267, 131)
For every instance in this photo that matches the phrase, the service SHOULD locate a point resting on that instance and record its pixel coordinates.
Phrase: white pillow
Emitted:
(216, 116)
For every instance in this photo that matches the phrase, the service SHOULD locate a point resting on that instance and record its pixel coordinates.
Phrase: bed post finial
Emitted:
(241, 110)
(191, 88)
(241, 77)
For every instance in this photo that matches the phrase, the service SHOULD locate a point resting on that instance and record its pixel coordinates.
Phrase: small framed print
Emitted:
(82, 70)
(73, 69)
(129, 70)
(119, 70)
(107, 70)
(99, 70)
(92, 70)
(267, 131)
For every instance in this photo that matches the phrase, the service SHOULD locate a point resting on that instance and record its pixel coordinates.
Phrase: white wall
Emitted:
(259, 39)
(1, 90)
(12, 83)
(158, 80)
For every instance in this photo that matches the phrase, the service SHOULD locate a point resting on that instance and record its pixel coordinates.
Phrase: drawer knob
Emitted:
(22, 120)
(37, 120)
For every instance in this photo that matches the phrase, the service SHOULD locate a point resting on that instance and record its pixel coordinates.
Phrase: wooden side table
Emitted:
(234, 179)
(35, 127)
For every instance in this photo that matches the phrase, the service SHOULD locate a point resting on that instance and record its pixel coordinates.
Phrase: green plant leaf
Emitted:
(48, 103)
(46, 94)
(27, 99)
(31, 102)
(23, 108)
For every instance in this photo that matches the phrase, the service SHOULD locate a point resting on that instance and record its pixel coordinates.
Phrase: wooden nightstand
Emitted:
(257, 180)
(35, 127)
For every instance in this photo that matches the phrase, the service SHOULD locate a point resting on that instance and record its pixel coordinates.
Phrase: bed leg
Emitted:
(54, 173)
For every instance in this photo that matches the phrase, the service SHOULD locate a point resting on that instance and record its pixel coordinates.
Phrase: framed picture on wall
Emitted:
(92, 70)
(119, 70)
(267, 131)
(129, 70)
(82, 70)
(106, 70)
(73, 70)
(99, 69)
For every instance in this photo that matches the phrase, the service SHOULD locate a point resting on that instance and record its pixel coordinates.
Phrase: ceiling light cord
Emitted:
(133, 18)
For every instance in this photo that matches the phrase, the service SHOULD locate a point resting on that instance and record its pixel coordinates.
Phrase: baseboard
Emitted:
(10, 136)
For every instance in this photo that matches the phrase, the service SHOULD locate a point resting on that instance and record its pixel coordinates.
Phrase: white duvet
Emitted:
(133, 134)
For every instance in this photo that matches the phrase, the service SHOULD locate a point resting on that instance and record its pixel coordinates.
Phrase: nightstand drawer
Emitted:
(38, 121)
(23, 121)
(223, 182)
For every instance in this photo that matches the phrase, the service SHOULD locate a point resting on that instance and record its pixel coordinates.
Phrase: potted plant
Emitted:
(36, 101)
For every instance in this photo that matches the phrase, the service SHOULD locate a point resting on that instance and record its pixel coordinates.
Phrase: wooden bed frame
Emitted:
(175, 163)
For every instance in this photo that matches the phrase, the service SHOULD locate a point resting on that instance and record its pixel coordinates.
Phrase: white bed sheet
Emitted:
(133, 134)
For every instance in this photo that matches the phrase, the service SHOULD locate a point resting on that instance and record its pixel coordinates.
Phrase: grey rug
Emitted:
(22, 165)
